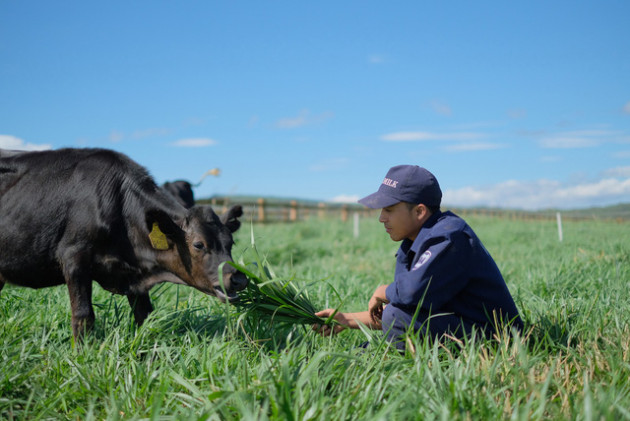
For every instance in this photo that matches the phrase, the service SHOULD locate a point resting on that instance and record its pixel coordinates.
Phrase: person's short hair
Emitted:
(432, 209)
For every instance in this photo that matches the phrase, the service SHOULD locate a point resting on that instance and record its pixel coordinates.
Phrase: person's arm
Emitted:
(345, 320)
(370, 318)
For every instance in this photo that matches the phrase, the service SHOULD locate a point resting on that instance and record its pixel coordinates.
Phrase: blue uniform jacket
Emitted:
(447, 270)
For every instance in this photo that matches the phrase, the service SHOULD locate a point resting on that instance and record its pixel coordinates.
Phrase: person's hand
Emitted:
(376, 309)
(377, 303)
(328, 330)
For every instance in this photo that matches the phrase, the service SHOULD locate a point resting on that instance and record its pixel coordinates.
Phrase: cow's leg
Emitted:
(141, 305)
(79, 282)
(80, 291)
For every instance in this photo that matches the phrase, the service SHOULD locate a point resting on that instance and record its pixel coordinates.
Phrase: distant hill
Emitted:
(621, 210)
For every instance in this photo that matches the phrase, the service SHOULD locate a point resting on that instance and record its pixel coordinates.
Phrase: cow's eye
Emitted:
(198, 245)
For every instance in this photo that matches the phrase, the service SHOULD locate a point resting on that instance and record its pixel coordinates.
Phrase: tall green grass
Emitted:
(196, 358)
(277, 300)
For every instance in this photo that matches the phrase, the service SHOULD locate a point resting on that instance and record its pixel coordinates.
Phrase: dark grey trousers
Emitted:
(396, 322)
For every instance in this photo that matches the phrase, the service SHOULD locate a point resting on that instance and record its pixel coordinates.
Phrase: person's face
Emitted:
(401, 222)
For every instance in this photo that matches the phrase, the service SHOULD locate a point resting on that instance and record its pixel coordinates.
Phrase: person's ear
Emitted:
(421, 211)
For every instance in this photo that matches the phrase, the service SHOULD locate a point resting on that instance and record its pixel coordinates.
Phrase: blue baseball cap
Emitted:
(405, 183)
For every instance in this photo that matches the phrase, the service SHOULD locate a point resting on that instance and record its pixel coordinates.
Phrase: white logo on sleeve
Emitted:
(422, 260)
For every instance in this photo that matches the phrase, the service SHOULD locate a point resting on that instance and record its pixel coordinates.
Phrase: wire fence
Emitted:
(265, 210)
(270, 210)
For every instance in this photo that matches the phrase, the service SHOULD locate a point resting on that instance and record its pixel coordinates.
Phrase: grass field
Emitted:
(196, 358)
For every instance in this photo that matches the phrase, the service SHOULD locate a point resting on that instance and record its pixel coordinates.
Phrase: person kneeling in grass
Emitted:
(445, 282)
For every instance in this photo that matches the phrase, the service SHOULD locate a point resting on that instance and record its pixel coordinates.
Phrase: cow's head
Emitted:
(193, 249)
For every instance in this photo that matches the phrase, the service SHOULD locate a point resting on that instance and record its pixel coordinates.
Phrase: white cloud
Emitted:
(594, 133)
(152, 132)
(198, 142)
(441, 108)
(579, 139)
(626, 108)
(623, 172)
(115, 136)
(565, 142)
(12, 142)
(293, 122)
(542, 194)
(195, 121)
(253, 121)
(550, 158)
(604, 189)
(345, 198)
(424, 136)
(376, 59)
(516, 114)
(474, 146)
(302, 119)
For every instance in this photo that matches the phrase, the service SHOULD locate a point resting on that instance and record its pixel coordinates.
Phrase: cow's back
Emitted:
(38, 188)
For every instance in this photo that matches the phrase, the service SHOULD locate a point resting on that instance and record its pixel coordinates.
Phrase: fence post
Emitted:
(226, 202)
(293, 214)
(261, 210)
(559, 221)
(321, 211)
(344, 213)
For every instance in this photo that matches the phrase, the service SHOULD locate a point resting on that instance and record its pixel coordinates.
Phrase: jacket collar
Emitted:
(407, 245)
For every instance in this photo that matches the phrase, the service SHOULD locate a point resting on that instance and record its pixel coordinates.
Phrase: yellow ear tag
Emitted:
(158, 238)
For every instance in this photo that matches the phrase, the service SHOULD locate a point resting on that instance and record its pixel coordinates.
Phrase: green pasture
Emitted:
(198, 359)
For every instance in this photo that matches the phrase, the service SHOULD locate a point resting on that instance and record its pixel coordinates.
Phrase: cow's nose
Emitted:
(235, 281)
(238, 281)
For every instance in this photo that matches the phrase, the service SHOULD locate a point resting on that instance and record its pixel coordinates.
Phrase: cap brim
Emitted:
(378, 200)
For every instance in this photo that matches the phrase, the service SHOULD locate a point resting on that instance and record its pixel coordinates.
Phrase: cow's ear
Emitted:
(230, 218)
(163, 231)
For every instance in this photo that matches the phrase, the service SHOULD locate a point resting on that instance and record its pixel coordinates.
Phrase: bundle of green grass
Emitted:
(275, 299)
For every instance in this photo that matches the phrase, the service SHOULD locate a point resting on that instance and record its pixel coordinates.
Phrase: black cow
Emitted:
(77, 215)
(182, 191)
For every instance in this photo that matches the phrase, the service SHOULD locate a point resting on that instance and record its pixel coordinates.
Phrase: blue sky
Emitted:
(514, 104)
